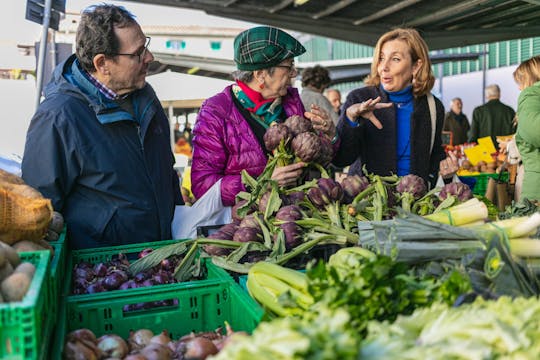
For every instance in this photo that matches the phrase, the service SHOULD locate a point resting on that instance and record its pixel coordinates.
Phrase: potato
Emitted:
(5, 271)
(57, 222)
(25, 245)
(11, 254)
(27, 268)
(15, 286)
(3, 257)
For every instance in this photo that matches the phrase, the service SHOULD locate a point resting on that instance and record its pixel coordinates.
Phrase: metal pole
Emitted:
(42, 49)
(441, 76)
(484, 74)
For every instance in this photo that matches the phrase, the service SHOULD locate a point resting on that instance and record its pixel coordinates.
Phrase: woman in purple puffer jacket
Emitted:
(228, 134)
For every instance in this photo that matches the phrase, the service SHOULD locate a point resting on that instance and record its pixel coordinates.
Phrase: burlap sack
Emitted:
(24, 213)
(7, 177)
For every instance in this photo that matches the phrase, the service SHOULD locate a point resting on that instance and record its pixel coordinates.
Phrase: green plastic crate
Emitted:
(201, 307)
(96, 255)
(482, 180)
(25, 325)
(58, 265)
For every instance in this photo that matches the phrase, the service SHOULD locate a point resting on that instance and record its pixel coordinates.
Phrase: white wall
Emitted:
(469, 88)
(17, 101)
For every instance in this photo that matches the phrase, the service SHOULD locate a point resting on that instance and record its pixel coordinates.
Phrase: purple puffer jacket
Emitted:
(224, 145)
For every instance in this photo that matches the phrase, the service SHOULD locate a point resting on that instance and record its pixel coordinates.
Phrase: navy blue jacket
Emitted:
(110, 173)
(367, 145)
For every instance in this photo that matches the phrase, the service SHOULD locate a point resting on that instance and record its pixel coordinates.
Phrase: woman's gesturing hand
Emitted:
(321, 121)
(449, 166)
(365, 109)
(287, 175)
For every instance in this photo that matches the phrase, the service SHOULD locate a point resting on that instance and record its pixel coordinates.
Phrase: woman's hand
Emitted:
(449, 166)
(287, 175)
(321, 121)
(365, 109)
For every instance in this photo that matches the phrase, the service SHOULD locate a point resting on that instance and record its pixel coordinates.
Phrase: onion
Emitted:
(81, 349)
(156, 352)
(199, 348)
(135, 357)
(113, 346)
(145, 252)
(162, 339)
(139, 339)
(81, 334)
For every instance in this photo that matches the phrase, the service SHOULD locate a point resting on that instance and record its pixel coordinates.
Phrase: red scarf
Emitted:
(254, 96)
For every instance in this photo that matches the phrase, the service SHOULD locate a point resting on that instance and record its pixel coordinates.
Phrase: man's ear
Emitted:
(101, 65)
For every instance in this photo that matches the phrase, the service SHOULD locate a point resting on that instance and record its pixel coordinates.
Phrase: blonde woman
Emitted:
(527, 76)
(387, 124)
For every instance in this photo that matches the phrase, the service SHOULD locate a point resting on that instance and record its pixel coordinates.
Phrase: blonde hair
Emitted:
(424, 79)
(528, 72)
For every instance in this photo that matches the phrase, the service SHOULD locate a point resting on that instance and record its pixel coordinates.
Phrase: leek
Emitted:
(467, 212)
(525, 247)
(517, 227)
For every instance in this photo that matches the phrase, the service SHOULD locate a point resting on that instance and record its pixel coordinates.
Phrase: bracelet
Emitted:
(335, 138)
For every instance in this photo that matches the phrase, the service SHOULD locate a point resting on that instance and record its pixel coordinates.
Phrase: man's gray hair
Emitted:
(493, 91)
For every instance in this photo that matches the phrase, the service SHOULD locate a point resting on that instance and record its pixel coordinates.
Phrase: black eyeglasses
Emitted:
(292, 68)
(139, 54)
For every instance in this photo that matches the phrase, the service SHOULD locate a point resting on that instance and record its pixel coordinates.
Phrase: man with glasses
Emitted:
(99, 144)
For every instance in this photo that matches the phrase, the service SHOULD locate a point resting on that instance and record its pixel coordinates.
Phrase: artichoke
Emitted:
(246, 234)
(332, 188)
(227, 231)
(460, 190)
(318, 197)
(289, 213)
(296, 197)
(410, 188)
(292, 234)
(326, 153)
(236, 206)
(251, 222)
(353, 185)
(275, 134)
(306, 146)
(298, 124)
(412, 184)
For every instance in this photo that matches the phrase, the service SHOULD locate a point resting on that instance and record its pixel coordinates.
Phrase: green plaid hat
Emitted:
(263, 47)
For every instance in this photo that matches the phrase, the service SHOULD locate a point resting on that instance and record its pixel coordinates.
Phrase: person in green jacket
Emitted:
(527, 76)
(493, 118)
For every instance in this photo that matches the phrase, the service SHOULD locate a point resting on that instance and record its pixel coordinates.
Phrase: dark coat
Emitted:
(492, 119)
(458, 125)
(110, 173)
(377, 148)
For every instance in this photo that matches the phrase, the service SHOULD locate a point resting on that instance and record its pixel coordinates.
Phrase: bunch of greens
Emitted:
(322, 334)
(499, 329)
(372, 287)
(522, 208)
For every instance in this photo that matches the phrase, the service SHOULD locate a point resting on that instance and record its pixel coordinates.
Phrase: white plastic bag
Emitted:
(206, 211)
(440, 181)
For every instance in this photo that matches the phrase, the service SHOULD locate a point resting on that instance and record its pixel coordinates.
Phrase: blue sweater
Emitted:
(403, 100)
